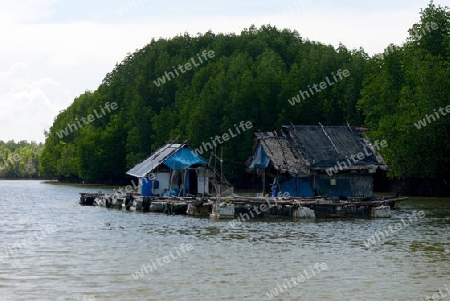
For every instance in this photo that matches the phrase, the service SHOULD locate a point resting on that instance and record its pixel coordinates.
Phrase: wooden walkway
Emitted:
(239, 206)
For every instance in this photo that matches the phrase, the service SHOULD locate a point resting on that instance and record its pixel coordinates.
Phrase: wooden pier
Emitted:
(246, 207)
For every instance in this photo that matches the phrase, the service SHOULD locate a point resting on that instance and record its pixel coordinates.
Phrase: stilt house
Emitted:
(307, 161)
(175, 169)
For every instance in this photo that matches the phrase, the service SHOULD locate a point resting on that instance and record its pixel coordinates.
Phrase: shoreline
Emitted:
(240, 191)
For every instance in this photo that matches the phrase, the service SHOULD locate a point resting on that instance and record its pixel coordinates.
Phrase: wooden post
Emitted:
(183, 182)
(170, 180)
(264, 182)
(204, 179)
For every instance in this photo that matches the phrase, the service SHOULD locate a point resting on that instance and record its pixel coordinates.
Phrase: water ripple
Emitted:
(94, 252)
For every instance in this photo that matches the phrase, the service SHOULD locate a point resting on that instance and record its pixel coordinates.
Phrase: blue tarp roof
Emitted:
(260, 159)
(175, 156)
(182, 159)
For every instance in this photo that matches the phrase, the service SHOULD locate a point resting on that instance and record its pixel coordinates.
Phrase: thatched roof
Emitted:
(304, 149)
(284, 157)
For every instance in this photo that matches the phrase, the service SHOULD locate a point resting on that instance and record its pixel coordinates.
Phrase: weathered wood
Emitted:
(202, 206)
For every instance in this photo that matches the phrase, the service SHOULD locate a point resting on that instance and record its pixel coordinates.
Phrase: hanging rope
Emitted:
(332, 143)
(213, 154)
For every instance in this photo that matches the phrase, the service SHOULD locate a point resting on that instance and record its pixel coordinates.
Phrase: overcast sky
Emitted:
(51, 51)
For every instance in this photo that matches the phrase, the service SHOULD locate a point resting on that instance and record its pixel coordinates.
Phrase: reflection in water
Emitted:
(95, 251)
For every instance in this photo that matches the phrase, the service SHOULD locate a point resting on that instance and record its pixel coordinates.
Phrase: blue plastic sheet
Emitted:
(175, 192)
(298, 187)
(183, 158)
(260, 159)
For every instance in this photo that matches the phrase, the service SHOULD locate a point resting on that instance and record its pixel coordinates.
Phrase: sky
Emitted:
(51, 51)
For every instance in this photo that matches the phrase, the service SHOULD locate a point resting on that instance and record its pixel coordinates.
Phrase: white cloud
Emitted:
(25, 10)
(25, 103)
(352, 27)
(48, 56)
(54, 64)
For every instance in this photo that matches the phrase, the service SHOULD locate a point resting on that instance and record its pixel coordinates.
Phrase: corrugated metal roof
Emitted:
(161, 155)
(152, 162)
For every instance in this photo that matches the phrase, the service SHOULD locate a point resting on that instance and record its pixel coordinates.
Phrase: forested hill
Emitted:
(198, 87)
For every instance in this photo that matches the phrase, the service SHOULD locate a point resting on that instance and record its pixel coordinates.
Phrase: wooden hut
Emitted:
(307, 161)
(175, 169)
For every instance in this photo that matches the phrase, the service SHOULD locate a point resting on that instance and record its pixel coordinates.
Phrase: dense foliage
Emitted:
(19, 160)
(407, 85)
(252, 77)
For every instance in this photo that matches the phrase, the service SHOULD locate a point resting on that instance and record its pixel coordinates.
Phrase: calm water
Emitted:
(53, 249)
